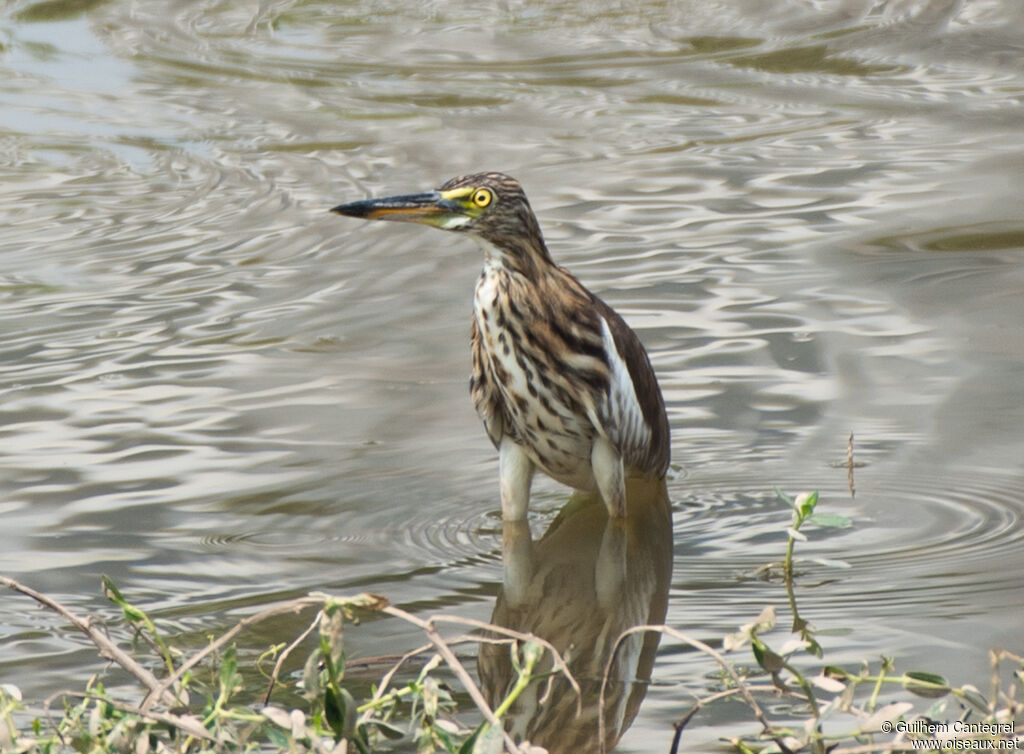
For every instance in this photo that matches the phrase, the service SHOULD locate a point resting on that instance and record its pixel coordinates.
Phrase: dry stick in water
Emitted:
(385, 681)
(287, 652)
(460, 671)
(112, 652)
(382, 687)
(696, 644)
(850, 465)
(559, 665)
(293, 606)
(107, 648)
(160, 691)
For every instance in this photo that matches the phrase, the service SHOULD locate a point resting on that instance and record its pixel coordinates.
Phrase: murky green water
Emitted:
(221, 396)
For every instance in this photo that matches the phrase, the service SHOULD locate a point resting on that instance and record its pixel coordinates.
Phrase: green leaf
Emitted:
(443, 737)
(133, 614)
(888, 713)
(229, 671)
(783, 497)
(974, 697)
(110, 590)
(834, 671)
(489, 741)
(278, 716)
(830, 563)
(766, 658)
(805, 503)
(765, 621)
(928, 685)
(813, 647)
(470, 743)
(278, 738)
(334, 711)
(362, 745)
(311, 681)
(837, 631)
(829, 684)
(112, 593)
(350, 707)
(830, 521)
(390, 731)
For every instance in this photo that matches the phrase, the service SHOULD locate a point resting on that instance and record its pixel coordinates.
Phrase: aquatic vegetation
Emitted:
(228, 696)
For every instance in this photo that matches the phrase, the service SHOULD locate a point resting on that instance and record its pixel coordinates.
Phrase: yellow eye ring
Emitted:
(482, 197)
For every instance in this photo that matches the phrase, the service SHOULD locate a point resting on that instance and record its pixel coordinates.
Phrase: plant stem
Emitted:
(873, 699)
(522, 681)
(787, 568)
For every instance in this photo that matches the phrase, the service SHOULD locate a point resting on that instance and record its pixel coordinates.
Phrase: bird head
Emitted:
(489, 206)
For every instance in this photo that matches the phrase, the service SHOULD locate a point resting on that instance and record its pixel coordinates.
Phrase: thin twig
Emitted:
(106, 646)
(386, 680)
(696, 644)
(292, 606)
(190, 726)
(704, 701)
(559, 665)
(850, 465)
(456, 667)
(286, 653)
(160, 691)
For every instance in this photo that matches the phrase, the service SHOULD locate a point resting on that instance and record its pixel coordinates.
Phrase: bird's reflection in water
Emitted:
(587, 580)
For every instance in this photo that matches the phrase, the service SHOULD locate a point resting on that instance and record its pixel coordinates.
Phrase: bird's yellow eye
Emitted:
(482, 197)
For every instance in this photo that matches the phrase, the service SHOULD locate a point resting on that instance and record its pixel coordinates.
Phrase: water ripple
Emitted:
(221, 395)
(948, 542)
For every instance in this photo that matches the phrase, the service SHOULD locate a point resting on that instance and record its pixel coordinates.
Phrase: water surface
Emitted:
(221, 395)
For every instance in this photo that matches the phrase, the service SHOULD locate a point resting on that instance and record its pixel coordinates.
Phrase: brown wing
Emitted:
(484, 390)
(644, 440)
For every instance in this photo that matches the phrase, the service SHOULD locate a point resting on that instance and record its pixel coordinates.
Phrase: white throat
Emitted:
(494, 258)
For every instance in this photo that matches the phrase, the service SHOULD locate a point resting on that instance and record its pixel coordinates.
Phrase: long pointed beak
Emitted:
(414, 208)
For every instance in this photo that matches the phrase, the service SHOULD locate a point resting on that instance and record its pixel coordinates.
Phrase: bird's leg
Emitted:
(610, 476)
(517, 561)
(516, 473)
(610, 568)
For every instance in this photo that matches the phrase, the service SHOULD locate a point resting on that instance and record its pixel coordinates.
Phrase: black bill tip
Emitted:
(354, 209)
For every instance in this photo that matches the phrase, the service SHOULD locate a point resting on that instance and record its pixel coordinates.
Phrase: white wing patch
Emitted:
(621, 415)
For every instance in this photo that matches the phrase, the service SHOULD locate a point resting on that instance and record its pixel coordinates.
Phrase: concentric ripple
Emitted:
(475, 536)
(947, 543)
